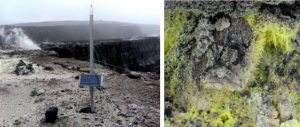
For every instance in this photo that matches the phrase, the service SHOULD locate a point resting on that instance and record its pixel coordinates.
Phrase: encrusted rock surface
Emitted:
(211, 77)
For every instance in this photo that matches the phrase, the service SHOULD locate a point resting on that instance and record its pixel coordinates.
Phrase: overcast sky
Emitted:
(133, 11)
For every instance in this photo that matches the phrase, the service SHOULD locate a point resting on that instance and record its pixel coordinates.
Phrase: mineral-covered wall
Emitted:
(232, 64)
(140, 54)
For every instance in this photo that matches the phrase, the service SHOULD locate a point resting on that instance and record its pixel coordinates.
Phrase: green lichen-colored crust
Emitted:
(6, 64)
(168, 123)
(291, 123)
(297, 97)
(173, 26)
(269, 33)
(174, 22)
(275, 40)
(229, 106)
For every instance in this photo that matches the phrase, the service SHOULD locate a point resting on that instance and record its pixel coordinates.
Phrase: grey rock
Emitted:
(287, 109)
(222, 24)
(24, 69)
(262, 107)
(134, 75)
(215, 115)
(296, 87)
(41, 91)
(33, 93)
(198, 123)
(48, 68)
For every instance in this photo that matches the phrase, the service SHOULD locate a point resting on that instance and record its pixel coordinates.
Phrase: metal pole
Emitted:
(92, 98)
(91, 42)
(91, 57)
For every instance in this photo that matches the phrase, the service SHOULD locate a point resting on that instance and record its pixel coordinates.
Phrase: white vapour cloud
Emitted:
(16, 37)
(2, 32)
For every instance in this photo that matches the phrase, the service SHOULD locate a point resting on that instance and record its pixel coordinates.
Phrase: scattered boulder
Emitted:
(33, 93)
(119, 122)
(69, 67)
(3, 89)
(102, 87)
(39, 100)
(85, 110)
(66, 90)
(134, 75)
(108, 73)
(40, 92)
(21, 63)
(48, 68)
(51, 114)
(17, 122)
(24, 69)
(153, 76)
(51, 53)
(75, 68)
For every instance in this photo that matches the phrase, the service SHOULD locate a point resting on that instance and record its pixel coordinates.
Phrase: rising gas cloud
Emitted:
(16, 37)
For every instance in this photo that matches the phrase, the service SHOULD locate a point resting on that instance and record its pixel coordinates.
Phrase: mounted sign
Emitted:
(91, 80)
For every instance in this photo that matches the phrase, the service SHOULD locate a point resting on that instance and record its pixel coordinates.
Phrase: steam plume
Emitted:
(16, 37)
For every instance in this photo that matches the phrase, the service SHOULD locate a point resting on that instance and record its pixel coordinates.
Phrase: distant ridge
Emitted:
(79, 30)
(147, 29)
(68, 22)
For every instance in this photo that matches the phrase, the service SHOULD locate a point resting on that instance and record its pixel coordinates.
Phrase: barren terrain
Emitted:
(24, 99)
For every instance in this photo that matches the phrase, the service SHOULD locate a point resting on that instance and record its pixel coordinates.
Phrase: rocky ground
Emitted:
(48, 81)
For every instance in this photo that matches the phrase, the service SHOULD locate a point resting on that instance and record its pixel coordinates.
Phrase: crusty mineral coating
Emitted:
(239, 9)
(208, 69)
